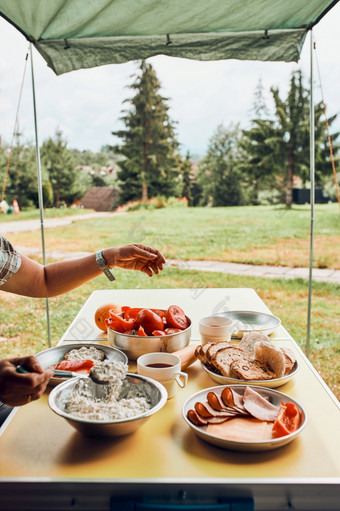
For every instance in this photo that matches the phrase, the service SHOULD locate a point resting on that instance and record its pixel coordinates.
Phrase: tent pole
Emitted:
(40, 193)
(312, 190)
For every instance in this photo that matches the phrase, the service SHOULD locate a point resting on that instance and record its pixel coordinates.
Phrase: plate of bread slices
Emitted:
(255, 360)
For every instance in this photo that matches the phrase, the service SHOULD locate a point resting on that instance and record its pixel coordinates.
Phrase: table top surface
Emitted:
(36, 443)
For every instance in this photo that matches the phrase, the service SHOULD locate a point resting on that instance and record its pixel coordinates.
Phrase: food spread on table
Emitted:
(247, 417)
(254, 358)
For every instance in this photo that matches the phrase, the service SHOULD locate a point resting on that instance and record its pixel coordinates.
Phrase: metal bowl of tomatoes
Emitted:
(136, 331)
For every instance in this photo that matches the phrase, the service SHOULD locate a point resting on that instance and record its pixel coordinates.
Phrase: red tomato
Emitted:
(141, 332)
(287, 421)
(149, 320)
(75, 365)
(176, 318)
(169, 331)
(158, 332)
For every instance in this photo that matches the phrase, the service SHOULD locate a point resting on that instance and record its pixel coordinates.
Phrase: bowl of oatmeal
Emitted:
(116, 408)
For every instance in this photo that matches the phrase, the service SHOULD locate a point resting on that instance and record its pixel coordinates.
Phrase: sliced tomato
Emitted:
(141, 332)
(119, 324)
(287, 421)
(169, 331)
(149, 320)
(158, 332)
(176, 318)
(75, 365)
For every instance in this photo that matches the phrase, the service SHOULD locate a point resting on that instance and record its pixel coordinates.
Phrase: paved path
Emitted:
(269, 272)
(34, 225)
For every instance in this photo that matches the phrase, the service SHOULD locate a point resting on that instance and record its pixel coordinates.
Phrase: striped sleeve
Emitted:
(10, 260)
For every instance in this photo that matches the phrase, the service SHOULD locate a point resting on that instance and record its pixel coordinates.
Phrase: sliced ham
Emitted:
(258, 406)
(242, 429)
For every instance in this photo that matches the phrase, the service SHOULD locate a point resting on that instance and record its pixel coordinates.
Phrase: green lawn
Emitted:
(255, 235)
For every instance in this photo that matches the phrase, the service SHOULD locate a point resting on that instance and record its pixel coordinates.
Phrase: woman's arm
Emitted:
(36, 280)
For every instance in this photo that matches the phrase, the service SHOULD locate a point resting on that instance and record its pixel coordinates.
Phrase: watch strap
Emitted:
(103, 265)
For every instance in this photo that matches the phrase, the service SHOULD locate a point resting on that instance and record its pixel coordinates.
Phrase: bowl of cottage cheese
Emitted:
(118, 407)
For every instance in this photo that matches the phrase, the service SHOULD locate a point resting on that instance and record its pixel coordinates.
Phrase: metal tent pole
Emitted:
(312, 191)
(40, 192)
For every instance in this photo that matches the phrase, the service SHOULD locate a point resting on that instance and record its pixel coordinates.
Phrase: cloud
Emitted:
(86, 105)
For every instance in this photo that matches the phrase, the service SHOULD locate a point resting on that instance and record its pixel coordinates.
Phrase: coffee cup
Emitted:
(165, 368)
(217, 328)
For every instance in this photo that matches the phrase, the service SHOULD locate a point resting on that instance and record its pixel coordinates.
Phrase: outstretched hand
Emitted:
(137, 257)
(18, 389)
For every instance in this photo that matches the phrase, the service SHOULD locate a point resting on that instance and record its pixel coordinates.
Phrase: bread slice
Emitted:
(249, 340)
(214, 348)
(243, 369)
(271, 356)
(226, 356)
(201, 352)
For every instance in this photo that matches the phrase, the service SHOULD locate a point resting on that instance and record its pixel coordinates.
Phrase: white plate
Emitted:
(252, 321)
(52, 356)
(274, 397)
(270, 384)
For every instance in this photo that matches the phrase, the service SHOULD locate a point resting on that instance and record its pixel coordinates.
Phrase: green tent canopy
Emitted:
(78, 34)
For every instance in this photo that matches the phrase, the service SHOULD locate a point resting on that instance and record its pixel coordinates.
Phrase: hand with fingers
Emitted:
(136, 257)
(19, 389)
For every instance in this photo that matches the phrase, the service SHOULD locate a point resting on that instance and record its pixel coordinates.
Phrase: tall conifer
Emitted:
(149, 143)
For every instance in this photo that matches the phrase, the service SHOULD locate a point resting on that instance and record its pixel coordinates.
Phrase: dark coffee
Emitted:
(158, 365)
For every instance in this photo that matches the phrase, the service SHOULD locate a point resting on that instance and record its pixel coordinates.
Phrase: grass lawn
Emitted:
(255, 235)
(210, 233)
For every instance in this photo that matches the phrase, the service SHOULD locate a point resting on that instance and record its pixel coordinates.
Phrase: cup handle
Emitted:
(179, 381)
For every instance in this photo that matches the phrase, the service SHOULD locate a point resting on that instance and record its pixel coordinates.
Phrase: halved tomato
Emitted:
(176, 318)
(158, 332)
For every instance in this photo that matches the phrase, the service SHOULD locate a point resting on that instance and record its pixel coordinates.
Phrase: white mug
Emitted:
(217, 328)
(165, 368)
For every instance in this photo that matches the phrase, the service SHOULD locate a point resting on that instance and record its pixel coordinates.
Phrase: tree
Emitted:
(280, 146)
(259, 107)
(219, 174)
(21, 181)
(149, 145)
(67, 181)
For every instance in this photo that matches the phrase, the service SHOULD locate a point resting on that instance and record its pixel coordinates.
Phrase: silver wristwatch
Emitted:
(103, 265)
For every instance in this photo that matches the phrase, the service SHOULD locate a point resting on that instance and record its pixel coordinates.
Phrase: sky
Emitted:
(86, 105)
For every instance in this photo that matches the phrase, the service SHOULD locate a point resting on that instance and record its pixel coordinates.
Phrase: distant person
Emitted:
(23, 276)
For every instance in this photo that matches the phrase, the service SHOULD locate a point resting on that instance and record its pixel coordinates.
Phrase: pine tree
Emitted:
(149, 144)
